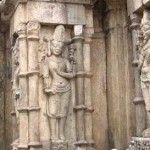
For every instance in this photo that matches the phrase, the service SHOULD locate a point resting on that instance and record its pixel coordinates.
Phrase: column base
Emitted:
(139, 143)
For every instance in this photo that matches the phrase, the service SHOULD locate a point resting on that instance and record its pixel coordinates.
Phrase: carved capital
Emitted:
(78, 30)
(22, 30)
(33, 29)
(135, 21)
(88, 40)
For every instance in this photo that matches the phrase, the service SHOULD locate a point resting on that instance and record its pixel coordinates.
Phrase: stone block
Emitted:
(133, 5)
(56, 13)
(76, 14)
(47, 12)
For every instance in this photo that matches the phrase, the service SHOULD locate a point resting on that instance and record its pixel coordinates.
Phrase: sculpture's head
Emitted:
(56, 47)
(58, 40)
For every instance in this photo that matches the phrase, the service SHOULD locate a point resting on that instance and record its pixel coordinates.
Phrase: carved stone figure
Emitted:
(144, 63)
(57, 72)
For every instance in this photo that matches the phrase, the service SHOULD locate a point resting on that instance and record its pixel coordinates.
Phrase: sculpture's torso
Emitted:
(58, 82)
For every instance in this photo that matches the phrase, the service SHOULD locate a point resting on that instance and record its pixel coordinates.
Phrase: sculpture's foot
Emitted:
(146, 133)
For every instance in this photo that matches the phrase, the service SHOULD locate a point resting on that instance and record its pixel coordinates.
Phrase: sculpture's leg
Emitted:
(146, 96)
(148, 108)
(52, 112)
(65, 99)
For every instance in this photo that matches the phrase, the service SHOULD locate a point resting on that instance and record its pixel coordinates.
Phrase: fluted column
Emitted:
(33, 29)
(138, 100)
(23, 87)
(80, 106)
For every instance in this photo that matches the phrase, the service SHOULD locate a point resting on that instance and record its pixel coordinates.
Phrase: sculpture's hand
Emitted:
(51, 90)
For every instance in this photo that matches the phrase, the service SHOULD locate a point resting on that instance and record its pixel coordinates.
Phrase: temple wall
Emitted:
(108, 86)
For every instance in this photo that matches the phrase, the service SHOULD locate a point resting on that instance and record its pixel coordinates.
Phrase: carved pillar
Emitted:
(80, 106)
(89, 30)
(33, 29)
(138, 100)
(119, 75)
(23, 89)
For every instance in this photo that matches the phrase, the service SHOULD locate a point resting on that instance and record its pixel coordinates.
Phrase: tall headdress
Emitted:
(58, 35)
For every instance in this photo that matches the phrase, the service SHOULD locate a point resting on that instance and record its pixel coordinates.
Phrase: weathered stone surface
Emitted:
(146, 2)
(133, 5)
(47, 12)
(119, 79)
(101, 93)
(75, 14)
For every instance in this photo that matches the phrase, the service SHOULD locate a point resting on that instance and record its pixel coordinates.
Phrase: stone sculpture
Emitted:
(143, 40)
(144, 65)
(57, 72)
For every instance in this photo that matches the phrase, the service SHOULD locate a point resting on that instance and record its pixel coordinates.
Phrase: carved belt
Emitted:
(60, 89)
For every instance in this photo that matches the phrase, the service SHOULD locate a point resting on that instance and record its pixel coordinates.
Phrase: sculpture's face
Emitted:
(56, 47)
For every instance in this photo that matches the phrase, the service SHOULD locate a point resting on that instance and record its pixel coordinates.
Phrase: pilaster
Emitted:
(23, 88)
(33, 29)
(138, 100)
(119, 75)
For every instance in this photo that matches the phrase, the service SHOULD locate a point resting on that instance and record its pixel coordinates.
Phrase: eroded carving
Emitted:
(144, 65)
(57, 72)
(140, 144)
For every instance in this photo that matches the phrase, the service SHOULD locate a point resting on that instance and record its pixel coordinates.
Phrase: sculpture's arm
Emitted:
(68, 74)
(46, 75)
(147, 58)
(140, 62)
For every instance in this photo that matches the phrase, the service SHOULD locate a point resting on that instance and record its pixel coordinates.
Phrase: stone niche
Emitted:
(51, 71)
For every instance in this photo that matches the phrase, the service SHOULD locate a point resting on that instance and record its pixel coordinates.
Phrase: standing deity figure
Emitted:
(57, 72)
(144, 63)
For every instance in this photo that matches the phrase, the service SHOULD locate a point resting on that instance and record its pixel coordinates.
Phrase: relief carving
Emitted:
(57, 73)
(144, 65)
(140, 144)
